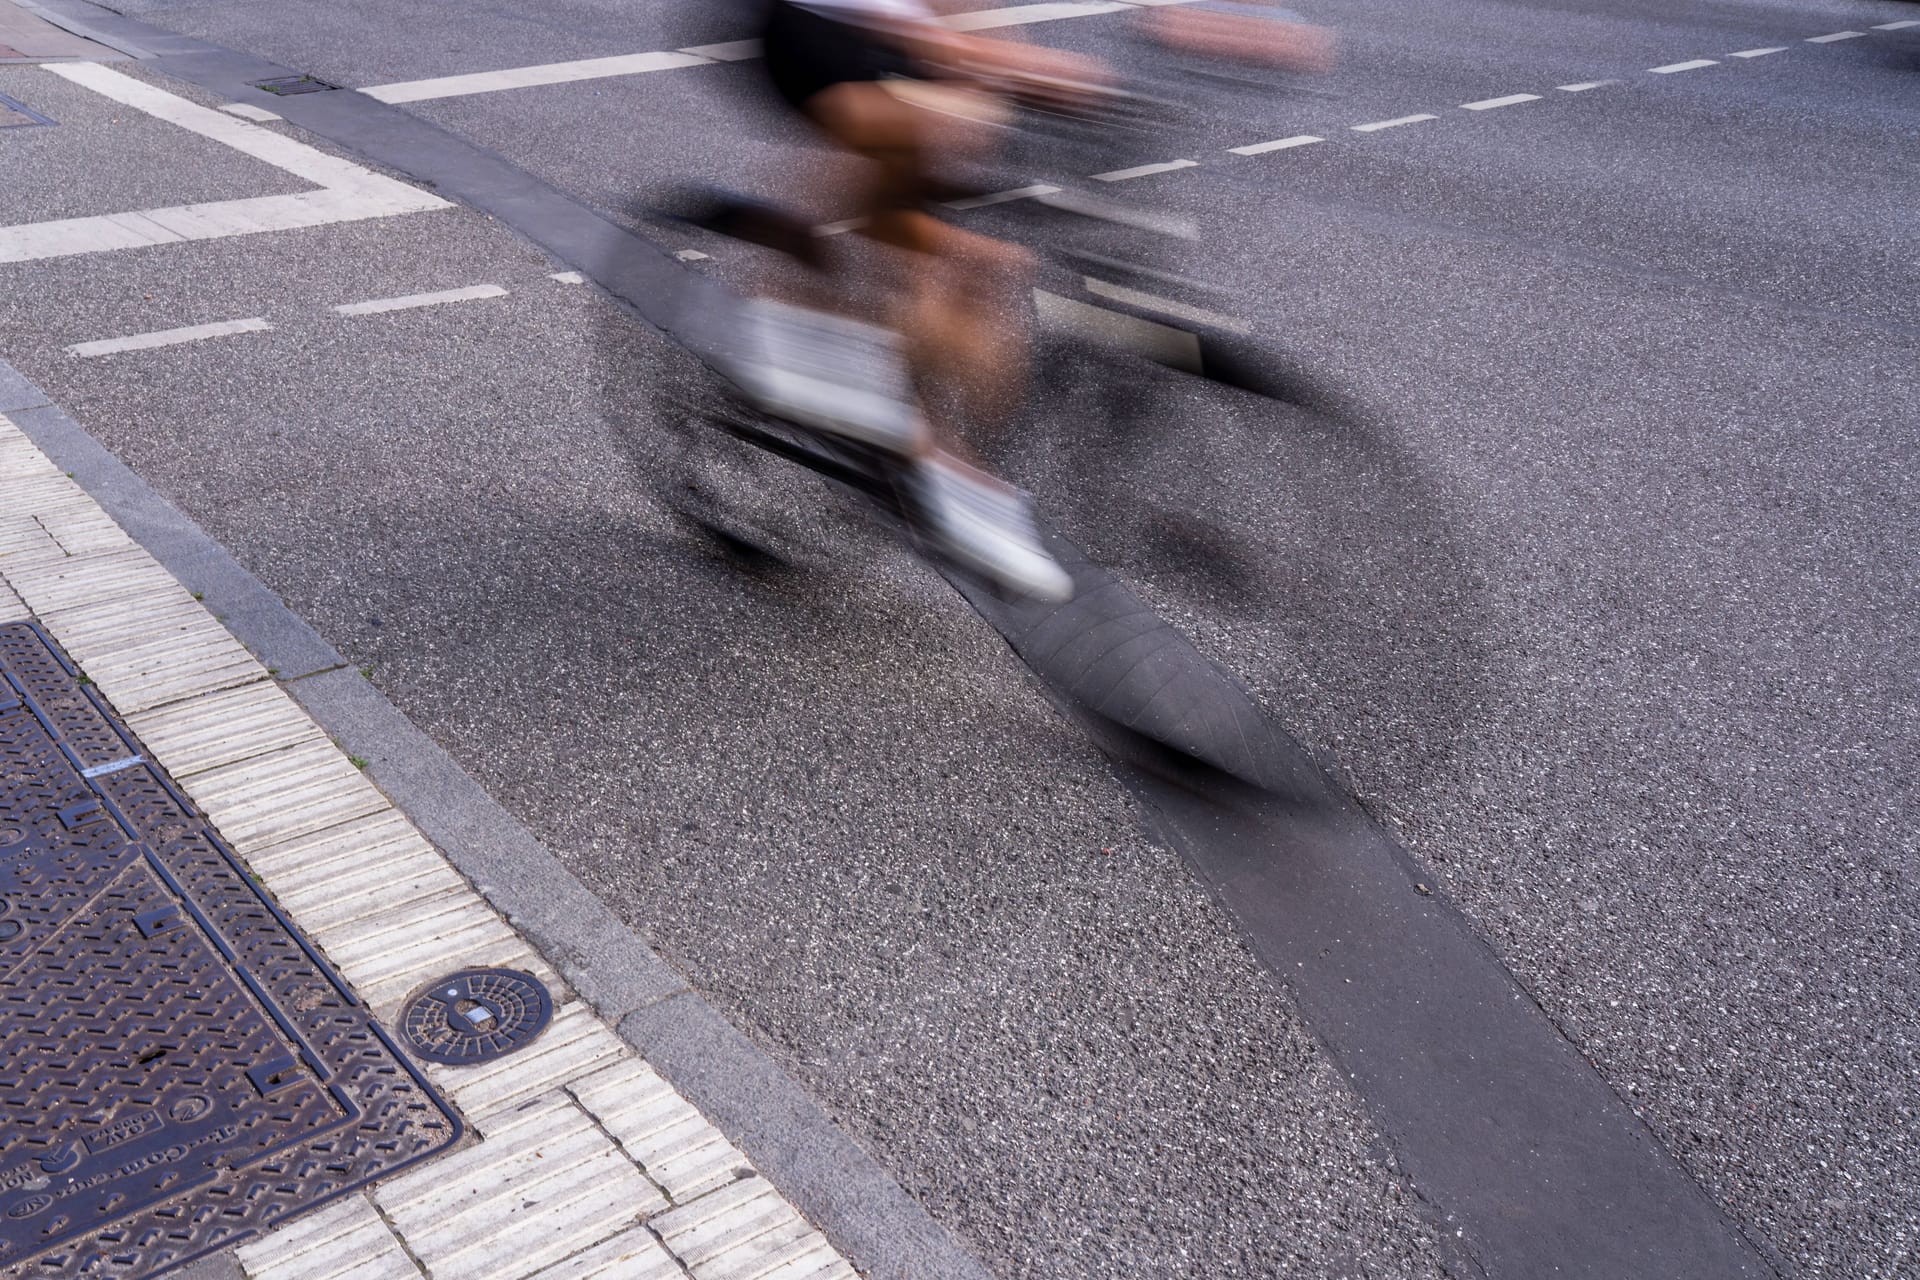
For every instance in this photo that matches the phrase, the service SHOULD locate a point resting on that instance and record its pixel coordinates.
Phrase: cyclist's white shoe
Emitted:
(828, 373)
(988, 527)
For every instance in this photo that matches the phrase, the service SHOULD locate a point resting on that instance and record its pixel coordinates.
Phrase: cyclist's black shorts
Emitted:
(806, 53)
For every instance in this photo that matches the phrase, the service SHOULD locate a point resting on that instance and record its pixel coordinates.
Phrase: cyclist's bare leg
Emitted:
(962, 288)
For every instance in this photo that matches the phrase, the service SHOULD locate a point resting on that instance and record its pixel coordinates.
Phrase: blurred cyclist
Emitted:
(888, 83)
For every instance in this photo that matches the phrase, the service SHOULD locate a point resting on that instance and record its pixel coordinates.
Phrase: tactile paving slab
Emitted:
(179, 1069)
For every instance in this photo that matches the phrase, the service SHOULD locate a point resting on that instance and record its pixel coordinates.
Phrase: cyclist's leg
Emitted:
(963, 289)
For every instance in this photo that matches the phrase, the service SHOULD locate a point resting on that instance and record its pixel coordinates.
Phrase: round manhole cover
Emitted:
(475, 1014)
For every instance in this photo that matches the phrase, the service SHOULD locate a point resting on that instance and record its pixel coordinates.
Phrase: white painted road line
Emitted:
(377, 305)
(1143, 170)
(691, 255)
(1488, 104)
(1691, 65)
(697, 55)
(1585, 85)
(1378, 125)
(1278, 144)
(627, 64)
(1021, 15)
(1002, 197)
(247, 111)
(727, 51)
(348, 192)
(1163, 306)
(1836, 35)
(1902, 25)
(1759, 53)
(568, 277)
(166, 337)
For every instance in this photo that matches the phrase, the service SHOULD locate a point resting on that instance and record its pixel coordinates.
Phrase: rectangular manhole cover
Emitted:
(287, 85)
(179, 1070)
(14, 113)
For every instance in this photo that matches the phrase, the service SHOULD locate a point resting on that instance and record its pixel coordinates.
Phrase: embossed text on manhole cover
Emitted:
(475, 1014)
(179, 1070)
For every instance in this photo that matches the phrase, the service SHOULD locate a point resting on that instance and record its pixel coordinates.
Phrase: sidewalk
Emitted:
(580, 1159)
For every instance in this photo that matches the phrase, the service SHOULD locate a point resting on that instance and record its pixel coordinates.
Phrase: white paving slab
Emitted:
(348, 1240)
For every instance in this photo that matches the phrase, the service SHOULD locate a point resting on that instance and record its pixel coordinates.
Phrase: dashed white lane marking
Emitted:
(1002, 197)
(348, 192)
(1395, 123)
(1692, 64)
(167, 337)
(1143, 170)
(1278, 144)
(568, 277)
(1902, 25)
(1585, 85)
(1759, 53)
(1488, 104)
(627, 64)
(691, 255)
(1835, 35)
(247, 111)
(839, 228)
(377, 305)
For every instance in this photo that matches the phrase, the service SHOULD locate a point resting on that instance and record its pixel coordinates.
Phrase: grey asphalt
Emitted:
(114, 171)
(1605, 613)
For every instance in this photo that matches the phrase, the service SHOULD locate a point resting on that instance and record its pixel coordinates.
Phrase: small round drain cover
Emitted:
(475, 1014)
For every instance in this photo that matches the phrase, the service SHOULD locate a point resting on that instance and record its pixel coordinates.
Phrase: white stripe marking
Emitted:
(377, 305)
(1278, 144)
(1898, 26)
(568, 277)
(1002, 197)
(626, 64)
(703, 54)
(247, 111)
(348, 191)
(1488, 104)
(1378, 125)
(839, 228)
(1759, 53)
(1020, 15)
(1163, 306)
(166, 337)
(1693, 64)
(1143, 170)
(1836, 35)
(691, 255)
(727, 51)
(1585, 85)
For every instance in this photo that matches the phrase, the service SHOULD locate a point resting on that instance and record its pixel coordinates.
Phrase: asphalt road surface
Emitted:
(1600, 602)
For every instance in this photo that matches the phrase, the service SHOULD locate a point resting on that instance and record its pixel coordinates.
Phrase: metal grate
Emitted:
(476, 1015)
(285, 86)
(179, 1070)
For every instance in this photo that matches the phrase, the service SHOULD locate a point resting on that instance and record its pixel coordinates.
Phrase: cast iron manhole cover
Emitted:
(179, 1070)
(285, 86)
(476, 1014)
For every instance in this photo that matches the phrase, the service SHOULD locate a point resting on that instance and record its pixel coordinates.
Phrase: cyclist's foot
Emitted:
(828, 373)
(986, 526)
